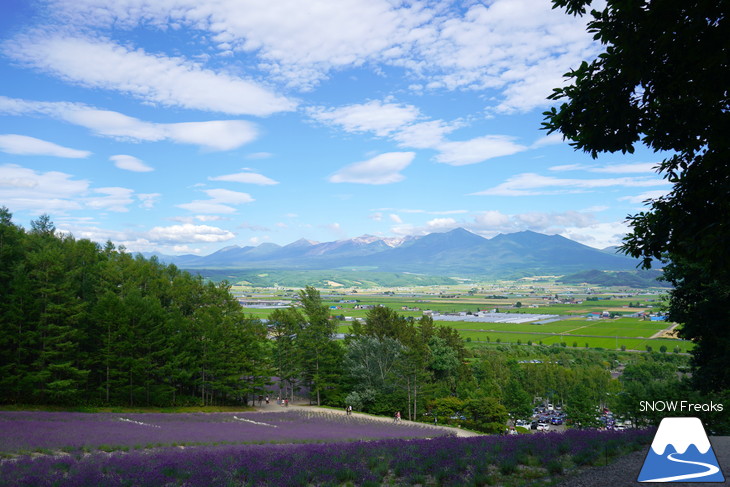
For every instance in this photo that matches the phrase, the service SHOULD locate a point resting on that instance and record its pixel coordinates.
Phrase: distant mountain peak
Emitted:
(366, 239)
(302, 242)
(461, 231)
(454, 251)
(389, 241)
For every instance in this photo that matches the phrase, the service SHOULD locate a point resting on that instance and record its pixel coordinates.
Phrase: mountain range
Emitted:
(457, 252)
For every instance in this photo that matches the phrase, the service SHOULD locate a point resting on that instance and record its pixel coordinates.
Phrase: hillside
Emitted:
(635, 279)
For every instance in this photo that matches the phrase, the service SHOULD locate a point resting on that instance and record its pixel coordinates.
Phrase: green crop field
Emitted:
(573, 329)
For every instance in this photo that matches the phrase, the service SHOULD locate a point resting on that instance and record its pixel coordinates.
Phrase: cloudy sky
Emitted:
(183, 126)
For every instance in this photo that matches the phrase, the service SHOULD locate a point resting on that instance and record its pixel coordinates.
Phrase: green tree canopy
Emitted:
(662, 81)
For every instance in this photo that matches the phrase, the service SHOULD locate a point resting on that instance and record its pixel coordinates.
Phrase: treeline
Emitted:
(85, 324)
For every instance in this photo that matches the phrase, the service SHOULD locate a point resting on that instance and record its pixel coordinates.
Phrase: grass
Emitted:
(632, 333)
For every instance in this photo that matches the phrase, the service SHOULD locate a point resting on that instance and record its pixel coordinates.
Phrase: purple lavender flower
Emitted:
(447, 461)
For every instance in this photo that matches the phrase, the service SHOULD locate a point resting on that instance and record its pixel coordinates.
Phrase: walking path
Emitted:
(273, 407)
(666, 332)
(625, 470)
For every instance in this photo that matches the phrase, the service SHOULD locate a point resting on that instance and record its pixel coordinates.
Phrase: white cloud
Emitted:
(600, 235)
(520, 48)
(212, 134)
(148, 200)
(492, 219)
(381, 169)
(114, 199)
(477, 150)
(245, 177)
(215, 134)
(624, 168)
(395, 218)
(228, 196)
(427, 212)
(441, 224)
(130, 163)
(30, 146)
(295, 42)
(40, 192)
(424, 135)
(437, 225)
(581, 226)
(100, 63)
(206, 206)
(401, 123)
(209, 218)
(569, 167)
(189, 233)
(528, 184)
(643, 197)
(555, 138)
(635, 168)
(490, 223)
(374, 116)
(185, 249)
(219, 202)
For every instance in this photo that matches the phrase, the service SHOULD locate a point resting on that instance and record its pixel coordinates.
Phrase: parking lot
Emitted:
(551, 417)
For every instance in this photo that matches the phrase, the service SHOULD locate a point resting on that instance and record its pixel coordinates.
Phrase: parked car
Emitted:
(543, 427)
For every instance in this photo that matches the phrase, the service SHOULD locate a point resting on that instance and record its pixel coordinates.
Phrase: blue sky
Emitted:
(182, 126)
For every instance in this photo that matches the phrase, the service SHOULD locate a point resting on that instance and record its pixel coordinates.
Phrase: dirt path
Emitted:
(666, 332)
(273, 407)
(625, 470)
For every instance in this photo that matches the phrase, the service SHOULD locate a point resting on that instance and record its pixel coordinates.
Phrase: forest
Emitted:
(84, 324)
(88, 325)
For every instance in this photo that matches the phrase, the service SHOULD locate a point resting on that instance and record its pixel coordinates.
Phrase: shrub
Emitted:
(508, 466)
(555, 467)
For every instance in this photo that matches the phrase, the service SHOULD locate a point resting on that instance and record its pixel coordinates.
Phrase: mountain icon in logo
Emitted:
(681, 452)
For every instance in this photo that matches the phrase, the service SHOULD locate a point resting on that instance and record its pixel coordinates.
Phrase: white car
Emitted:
(543, 427)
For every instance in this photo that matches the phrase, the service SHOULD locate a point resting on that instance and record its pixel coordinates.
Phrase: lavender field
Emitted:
(323, 458)
(45, 432)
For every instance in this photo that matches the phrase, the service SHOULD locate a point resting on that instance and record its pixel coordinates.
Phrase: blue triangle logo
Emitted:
(681, 452)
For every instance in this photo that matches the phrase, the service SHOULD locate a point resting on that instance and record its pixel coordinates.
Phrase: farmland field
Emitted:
(573, 327)
(632, 333)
